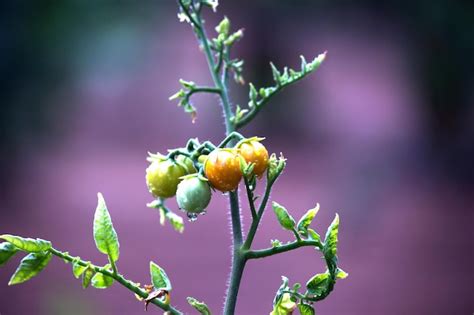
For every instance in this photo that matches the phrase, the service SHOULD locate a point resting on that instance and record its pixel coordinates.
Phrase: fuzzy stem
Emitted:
(262, 253)
(117, 277)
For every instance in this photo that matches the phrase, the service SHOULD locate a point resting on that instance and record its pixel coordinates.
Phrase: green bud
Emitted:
(223, 27)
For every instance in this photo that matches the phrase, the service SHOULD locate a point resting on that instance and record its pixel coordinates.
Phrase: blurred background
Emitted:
(383, 134)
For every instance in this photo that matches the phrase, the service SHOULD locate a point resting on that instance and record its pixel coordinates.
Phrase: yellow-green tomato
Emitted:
(193, 194)
(163, 177)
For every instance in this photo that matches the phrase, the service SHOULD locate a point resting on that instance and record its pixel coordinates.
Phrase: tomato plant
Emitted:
(189, 172)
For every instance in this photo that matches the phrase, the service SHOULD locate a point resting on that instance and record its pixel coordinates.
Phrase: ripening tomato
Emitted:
(222, 169)
(163, 176)
(254, 152)
(193, 194)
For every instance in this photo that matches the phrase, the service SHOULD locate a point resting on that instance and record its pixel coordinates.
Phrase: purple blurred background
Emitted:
(382, 134)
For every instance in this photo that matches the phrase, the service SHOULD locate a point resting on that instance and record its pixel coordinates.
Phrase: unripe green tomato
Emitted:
(163, 177)
(190, 169)
(193, 194)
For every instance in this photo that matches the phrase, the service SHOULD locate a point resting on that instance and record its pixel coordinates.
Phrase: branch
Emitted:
(282, 81)
(262, 253)
(250, 198)
(117, 277)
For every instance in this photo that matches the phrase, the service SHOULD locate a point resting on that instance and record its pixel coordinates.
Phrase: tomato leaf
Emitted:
(330, 242)
(30, 266)
(306, 220)
(87, 277)
(27, 244)
(285, 219)
(318, 284)
(306, 309)
(313, 235)
(7, 250)
(104, 233)
(201, 307)
(159, 279)
(78, 270)
(341, 274)
(101, 281)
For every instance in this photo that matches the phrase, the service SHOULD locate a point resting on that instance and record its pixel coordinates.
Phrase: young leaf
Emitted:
(306, 220)
(306, 309)
(87, 277)
(104, 233)
(27, 244)
(318, 283)
(7, 250)
(30, 266)
(285, 219)
(100, 281)
(341, 274)
(201, 307)
(159, 279)
(78, 270)
(330, 242)
(314, 235)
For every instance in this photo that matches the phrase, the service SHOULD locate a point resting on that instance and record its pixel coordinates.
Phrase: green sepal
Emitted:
(27, 244)
(105, 236)
(306, 220)
(30, 266)
(284, 218)
(201, 307)
(7, 251)
(159, 279)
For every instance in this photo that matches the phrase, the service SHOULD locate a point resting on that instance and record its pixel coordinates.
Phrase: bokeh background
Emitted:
(383, 134)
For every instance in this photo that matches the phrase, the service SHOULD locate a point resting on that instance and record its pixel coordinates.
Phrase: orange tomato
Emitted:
(222, 169)
(254, 152)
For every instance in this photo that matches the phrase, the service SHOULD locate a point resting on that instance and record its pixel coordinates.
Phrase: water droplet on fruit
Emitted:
(203, 212)
(192, 216)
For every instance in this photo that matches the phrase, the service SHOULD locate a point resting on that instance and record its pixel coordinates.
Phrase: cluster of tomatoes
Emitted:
(191, 179)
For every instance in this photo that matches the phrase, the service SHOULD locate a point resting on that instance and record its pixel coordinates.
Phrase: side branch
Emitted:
(262, 253)
(117, 277)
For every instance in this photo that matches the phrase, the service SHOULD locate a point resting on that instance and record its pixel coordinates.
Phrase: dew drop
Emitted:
(192, 216)
(203, 212)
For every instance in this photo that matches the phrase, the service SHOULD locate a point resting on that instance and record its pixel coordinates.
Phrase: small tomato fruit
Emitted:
(163, 176)
(222, 169)
(193, 194)
(254, 152)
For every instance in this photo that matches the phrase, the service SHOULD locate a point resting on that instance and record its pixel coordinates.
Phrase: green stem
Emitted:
(250, 199)
(234, 135)
(238, 261)
(117, 277)
(256, 221)
(262, 253)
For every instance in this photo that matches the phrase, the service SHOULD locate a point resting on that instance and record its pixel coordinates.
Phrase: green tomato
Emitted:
(163, 177)
(188, 163)
(193, 194)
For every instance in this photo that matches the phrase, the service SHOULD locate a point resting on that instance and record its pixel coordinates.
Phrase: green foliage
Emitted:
(159, 279)
(284, 218)
(30, 266)
(101, 281)
(306, 309)
(318, 283)
(7, 251)
(77, 270)
(87, 276)
(105, 236)
(330, 242)
(201, 307)
(27, 244)
(306, 220)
